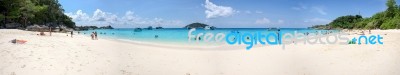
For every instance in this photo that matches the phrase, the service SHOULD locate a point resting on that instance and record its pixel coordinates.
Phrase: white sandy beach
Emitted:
(62, 55)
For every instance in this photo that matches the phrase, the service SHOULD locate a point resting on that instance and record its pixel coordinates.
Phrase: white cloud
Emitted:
(281, 21)
(251, 12)
(319, 10)
(78, 16)
(313, 9)
(259, 12)
(131, 19)
(214, 11)
(129, 16)
(317, 21)
(296, 8)
(263, 21)
(268, 21)
(248, 12)
(300, 7)
(99, 15)
(101, 18)
(104, 16)
(112, 18)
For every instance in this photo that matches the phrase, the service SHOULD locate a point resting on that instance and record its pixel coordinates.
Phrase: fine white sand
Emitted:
(60, 54)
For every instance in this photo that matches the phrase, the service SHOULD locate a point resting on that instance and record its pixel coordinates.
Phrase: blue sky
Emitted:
(219, 13)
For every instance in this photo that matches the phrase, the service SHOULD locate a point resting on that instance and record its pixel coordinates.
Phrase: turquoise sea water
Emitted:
(180, 35)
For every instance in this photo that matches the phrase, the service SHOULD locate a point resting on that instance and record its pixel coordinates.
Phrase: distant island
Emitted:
(106, 27)
(388, 19)
(199, 25)
(83, 28)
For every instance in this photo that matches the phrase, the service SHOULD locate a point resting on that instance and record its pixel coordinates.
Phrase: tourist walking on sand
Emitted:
(50, 31)
(72, 33)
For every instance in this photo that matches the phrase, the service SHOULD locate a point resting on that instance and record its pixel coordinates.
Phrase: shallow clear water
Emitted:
(180, 35)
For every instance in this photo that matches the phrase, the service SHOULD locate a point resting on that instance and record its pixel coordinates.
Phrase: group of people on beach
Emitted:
(94, 35)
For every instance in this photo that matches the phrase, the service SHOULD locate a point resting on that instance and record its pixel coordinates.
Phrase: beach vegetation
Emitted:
(388, 19)
(28, 12)
(320, 27)
(347, 22)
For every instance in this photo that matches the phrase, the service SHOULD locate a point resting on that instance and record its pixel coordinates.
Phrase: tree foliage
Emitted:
(388, 19)
(392, 9)
(347, 22)
(28, 12)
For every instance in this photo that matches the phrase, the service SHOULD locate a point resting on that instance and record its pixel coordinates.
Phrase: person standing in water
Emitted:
(95, 35)
(279, 38)
(92, 35)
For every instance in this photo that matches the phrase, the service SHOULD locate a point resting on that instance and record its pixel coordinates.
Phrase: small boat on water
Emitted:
(138, 29)
(213, 28)
(273, 29)
(159, 27)
(235, 31)
(149, 28)
(209, 28)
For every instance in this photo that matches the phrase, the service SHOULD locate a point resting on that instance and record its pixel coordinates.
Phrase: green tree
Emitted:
(1, 19)
(347, 22)
(392, 9)
(388, 19)
(27, 12)
(376, 20)
(361, 24)
(391, 18)
(28, 9)
(10, 9)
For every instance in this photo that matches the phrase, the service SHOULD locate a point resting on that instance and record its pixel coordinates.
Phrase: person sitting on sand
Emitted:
(15, 41)
(42, 34)
(362, 33)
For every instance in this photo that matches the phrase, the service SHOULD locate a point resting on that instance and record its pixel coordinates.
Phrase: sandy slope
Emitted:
(63, 55)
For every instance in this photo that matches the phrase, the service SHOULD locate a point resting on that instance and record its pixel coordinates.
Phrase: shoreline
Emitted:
(184, 46)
